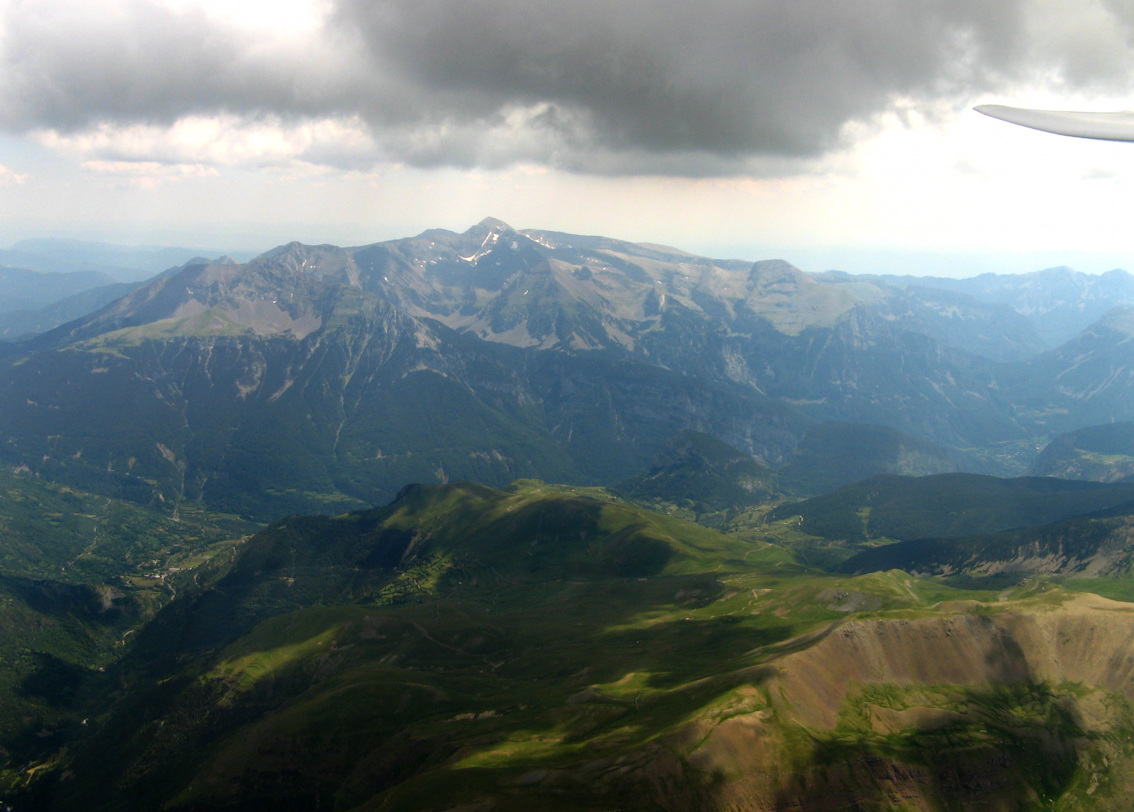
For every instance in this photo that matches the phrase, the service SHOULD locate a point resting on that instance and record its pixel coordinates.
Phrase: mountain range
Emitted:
(1057, 303)
(529, 353)
(792, 561)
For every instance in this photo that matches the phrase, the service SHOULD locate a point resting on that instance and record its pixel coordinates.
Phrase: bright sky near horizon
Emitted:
(833, 133)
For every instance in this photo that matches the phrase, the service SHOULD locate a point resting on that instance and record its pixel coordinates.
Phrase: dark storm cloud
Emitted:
(68, 65)
(664, 86)
(720, 77)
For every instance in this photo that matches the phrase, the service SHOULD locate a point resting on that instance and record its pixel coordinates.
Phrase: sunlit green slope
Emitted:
(539, 647)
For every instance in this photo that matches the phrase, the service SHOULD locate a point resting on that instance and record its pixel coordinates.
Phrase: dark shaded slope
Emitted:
(863, 369)
(1085, 547)
(427, 542)
(948, 505)
(834, 454)
(1099, 453)
(79, 574)
(448, 552)
(700, 471)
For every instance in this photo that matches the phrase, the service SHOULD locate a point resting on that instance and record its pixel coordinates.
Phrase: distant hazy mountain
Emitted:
(24, 289)
(45, 283)
(993, 331)
(18, 324)
(1087, 381)
(1058, 302)
(122, 263)
(835, 347)
(316, 373)
(282, 383)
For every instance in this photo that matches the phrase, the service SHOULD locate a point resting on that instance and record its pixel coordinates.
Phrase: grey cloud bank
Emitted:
(661, 87)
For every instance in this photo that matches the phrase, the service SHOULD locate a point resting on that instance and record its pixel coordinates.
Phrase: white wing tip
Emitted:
(1117, 126)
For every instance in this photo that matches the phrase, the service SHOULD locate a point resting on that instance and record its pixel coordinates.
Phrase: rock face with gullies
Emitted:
(1091, 376)
(317, 375)
(922, 679)
(1087, 640)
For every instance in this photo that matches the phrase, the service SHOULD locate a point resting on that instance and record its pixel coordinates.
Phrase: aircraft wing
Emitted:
(1104, 126)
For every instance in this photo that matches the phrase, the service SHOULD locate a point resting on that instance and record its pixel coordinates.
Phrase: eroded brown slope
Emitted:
(1087, 639)
(960, 711)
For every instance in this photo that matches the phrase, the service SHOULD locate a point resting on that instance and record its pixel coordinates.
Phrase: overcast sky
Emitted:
(833, 133)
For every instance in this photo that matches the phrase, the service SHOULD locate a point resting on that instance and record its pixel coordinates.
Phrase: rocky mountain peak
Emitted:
(493, 224)
(487, 230)
(194, 261)
(1057, 272)
(323, 260)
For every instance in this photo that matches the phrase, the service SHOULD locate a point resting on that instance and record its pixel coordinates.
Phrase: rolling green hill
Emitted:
(437, 539)
(551, 648)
